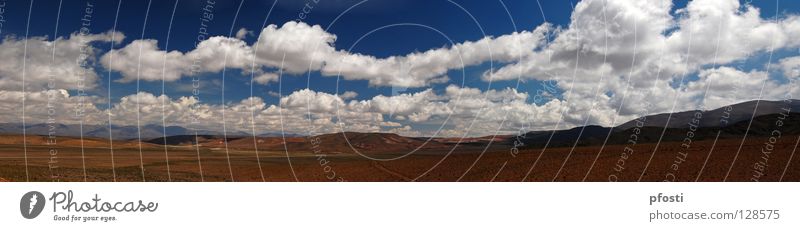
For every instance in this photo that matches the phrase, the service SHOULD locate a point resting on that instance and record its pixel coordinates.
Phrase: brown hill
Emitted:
(346, 142)
(62, 141)
(335, 143)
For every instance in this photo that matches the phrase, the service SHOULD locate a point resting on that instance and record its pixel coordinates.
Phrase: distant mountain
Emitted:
(381, 143)
(278, 134)
(762, 126)
(182, 139)
(713, 118)
(41, 129)
(738, 117)
(335, 143)
(102, 131)
(591, 134)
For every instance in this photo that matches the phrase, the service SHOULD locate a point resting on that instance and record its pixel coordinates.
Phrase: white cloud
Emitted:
(303, 111)
(298, 48)
(608, 30)
(49, 105)
(143, 60)
(59, 68)
(719, 87)
(609, 42)
(421, 69)
(243, 33)
(790, 67)
(611, 62)
(349, 95)
(304, 47)
(265, 78)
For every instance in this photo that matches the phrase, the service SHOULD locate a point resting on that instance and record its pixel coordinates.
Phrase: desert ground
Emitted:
(211, 161)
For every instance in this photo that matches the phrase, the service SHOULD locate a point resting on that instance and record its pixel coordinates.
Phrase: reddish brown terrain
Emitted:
(741, 144)
(389, 157)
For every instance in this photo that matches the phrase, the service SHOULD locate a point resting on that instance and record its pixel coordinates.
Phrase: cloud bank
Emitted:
(610, 62)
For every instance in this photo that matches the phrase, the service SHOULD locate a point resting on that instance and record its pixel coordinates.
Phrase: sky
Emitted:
(416, 68)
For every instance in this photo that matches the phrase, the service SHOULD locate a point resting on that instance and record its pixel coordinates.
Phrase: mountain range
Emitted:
(729, 121)
(103, 131)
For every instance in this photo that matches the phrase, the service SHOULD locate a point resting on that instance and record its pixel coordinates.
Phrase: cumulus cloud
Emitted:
(602, 36)
(718, 87)
(421, 69)
(265, 78)
(296, 47)
(143, 59)
(610, 62)
(349, 95)
(615, 56)
(790, 67)
(243, 33)
(44, 106)
(61, 63)
(457, 111)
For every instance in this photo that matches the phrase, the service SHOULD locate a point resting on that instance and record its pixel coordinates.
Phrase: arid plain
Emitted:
(388, 157)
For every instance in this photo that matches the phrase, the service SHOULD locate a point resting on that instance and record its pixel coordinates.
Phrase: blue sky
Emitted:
(458, 21)
(449, 18)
